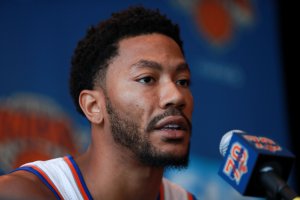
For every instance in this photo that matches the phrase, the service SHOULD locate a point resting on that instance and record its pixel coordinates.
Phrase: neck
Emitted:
(113, 173)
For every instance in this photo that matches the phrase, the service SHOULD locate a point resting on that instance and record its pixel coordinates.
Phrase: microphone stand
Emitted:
(276, 188)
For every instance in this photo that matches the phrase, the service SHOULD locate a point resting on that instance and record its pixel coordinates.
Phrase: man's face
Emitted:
(149, 101)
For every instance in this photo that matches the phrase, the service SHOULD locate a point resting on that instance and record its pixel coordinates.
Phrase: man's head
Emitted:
(100, 45)
(146, 103)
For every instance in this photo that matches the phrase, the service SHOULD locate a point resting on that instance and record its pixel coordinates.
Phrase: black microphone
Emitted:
(256, 166)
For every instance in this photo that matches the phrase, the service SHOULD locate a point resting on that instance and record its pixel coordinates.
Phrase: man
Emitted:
(130, 79)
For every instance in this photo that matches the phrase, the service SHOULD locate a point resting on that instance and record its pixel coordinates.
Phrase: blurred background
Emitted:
(242, 54)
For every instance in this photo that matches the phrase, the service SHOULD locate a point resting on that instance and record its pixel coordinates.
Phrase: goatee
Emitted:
(127, 133)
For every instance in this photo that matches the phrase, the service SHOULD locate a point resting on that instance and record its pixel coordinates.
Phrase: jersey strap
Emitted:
(77, 175)
(43, 177)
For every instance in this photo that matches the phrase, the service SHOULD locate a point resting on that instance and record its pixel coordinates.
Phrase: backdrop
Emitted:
(231, 46)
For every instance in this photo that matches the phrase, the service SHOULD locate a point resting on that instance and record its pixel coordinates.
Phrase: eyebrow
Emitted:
(157, 66)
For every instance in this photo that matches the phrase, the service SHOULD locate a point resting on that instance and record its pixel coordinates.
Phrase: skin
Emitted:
(138, 91)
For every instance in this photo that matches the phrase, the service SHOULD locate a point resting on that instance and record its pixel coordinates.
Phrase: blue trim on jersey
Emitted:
(194, 197)
(80, 177)
(40, 176)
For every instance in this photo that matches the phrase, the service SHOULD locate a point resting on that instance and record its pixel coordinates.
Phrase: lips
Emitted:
(173, 123)
(172, 127)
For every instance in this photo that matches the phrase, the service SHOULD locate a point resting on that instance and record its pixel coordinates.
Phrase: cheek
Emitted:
(189, 106)
(124, 97)
(130, 104)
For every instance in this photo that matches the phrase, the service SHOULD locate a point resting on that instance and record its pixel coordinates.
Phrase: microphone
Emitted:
(256, 166)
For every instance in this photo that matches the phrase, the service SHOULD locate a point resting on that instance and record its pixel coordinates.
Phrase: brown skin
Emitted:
(111, 171)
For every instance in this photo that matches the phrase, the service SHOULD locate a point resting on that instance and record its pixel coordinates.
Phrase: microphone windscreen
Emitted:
(226, 140)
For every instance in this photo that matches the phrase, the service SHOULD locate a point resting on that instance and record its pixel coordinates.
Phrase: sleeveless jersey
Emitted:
(63, 177)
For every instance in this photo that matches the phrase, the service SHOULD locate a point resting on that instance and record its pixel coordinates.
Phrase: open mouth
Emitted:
(172, 123)
(173, 128)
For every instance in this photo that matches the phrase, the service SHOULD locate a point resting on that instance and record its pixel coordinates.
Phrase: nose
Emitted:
(172, 95)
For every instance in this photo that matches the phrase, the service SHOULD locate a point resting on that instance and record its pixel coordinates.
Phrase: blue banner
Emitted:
(232, 48)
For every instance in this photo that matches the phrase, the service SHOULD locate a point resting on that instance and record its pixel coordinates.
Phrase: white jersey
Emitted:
(63, 177)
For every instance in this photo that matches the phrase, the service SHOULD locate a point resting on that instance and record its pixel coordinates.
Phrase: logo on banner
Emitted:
(33, 127)
(263, 143)
(218, 21)
(236, 163)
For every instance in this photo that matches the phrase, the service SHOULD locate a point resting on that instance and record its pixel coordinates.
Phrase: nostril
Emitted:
(178, 106)
(172, 95)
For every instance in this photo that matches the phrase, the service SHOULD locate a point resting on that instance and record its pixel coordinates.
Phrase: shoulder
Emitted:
(174, 191)
(21, 184)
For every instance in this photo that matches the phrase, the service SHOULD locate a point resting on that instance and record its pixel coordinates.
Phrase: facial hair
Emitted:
(128, 133)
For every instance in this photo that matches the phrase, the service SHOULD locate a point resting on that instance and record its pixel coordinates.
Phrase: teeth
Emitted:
(171, 126)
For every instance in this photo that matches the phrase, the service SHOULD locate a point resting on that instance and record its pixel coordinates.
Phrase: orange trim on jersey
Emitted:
(76, 177)
(161, 192)
(46, 177)
(190, 196)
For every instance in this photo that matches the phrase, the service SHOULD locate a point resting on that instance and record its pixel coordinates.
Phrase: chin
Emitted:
(176, 148)
(168, 156)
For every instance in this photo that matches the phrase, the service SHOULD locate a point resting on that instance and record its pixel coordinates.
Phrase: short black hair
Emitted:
(94, 52)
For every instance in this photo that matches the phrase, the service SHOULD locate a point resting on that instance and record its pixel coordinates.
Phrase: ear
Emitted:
(90, 103)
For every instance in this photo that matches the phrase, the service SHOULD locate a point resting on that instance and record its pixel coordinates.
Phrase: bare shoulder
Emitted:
(23, 185)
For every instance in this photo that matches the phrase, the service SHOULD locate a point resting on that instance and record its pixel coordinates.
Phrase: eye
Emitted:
(146, 80)
(183, 82)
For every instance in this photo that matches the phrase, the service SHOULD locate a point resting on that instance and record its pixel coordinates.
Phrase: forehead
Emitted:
(152, 47)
